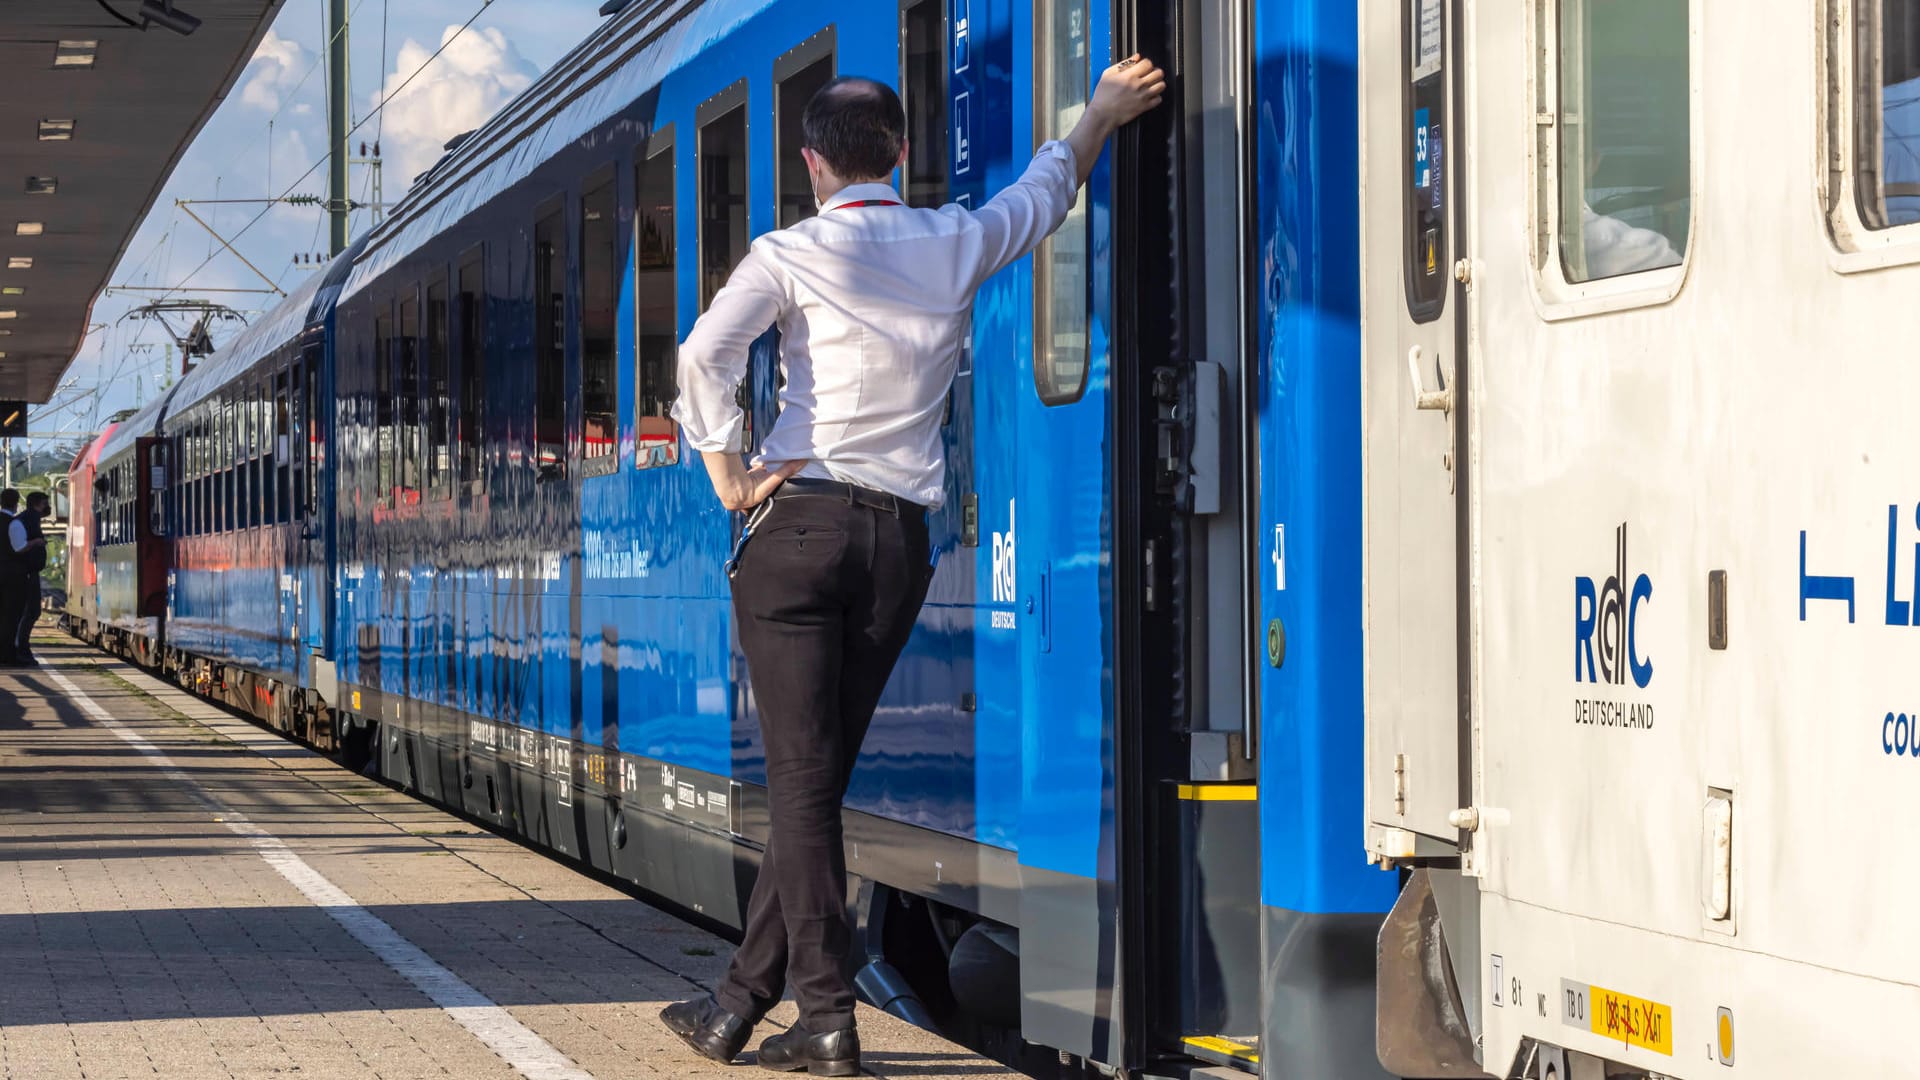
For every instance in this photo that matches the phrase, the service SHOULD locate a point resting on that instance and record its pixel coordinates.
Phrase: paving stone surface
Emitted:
(147, 928)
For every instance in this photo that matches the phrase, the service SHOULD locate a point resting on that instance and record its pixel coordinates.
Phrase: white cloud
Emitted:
(479, 72)
(276, 68)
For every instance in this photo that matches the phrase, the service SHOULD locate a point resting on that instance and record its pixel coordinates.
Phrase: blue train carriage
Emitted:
(238, 450)
(1147, 598)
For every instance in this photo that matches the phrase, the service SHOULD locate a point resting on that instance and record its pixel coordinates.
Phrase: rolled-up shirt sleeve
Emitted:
(17, 535)
(1027, 211)
(713, 359)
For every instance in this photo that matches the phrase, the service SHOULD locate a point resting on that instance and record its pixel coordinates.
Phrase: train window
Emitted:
(230, 464)
(383, 391)
(473, 370)
(216, 486)
(195, 497)
(200, 471)
(310, 438)
(723, 188)
(227, 458)
(181, 495)
(299, 452)
(262, 467)
(797, 76)
(282, 449)
(222, 419)
(243, 480)
(236, 433)
(437, 391)
(1424, 221)
(407, 388)
(203, 487)
(600, 256)
(1623, 165)
(251, 484)
(1060, 54)
(259, 470)
(923, 84)
(656, 441)
(550, 345)
(1886, 112)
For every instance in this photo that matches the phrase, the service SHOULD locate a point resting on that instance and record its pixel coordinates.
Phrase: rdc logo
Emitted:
(1004, 565)
(1606, 622)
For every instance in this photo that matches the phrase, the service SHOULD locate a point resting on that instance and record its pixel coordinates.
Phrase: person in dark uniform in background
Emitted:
(12, 595)
(28, 546)
(873, 300)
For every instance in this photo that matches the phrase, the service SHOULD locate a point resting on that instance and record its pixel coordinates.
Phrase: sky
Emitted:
(271, 129)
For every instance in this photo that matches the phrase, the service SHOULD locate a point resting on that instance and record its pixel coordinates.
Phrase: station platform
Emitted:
(183, 894)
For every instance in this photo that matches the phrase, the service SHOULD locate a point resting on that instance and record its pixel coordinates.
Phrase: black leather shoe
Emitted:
(712, 1031)
(820, 1053)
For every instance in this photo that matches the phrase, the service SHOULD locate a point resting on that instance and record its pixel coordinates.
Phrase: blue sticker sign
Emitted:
(961, 16)
(1422, 163)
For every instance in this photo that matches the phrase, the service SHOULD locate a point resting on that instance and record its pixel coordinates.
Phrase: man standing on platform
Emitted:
(873, 300)
(12, 596)
(27, 545)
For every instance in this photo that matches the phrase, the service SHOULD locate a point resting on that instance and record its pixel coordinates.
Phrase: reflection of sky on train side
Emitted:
(1900, 151)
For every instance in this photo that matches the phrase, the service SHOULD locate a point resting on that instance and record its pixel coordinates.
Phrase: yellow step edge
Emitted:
(1214, 1044)
(1219, 792)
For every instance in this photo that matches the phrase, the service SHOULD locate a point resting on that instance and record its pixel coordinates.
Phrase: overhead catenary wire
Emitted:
(408, 81)
(287, 98)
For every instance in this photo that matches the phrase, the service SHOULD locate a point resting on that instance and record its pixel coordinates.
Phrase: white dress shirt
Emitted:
(873, 303)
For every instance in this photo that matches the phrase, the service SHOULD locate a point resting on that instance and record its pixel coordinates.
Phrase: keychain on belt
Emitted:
(740, 545)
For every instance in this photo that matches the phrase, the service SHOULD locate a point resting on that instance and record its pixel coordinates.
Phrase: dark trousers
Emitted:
(825, 596)
(30, 605)
(15, 588)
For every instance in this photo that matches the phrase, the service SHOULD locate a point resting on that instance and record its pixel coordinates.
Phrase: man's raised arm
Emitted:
(1032, 207)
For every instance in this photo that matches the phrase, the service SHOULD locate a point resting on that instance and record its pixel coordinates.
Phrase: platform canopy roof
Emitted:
(94, 114)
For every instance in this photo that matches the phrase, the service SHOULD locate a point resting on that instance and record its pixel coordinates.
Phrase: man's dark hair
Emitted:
(9, 499)
(38, 499)
(857, 125)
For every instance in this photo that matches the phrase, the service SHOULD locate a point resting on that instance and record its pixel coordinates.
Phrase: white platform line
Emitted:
(534, 1057)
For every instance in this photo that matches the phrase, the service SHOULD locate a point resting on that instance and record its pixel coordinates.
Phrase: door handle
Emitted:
(1441, 399)
(1423, 398)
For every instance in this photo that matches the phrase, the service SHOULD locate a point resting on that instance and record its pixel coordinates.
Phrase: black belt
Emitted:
(854, 494)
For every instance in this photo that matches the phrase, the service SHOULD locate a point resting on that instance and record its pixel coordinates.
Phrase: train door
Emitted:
(1187, 378)
(1415, 397)
(314, 587)
(154, 457)
(1414, 402)
(554, 536)
(1062, 565)
(1139, 841)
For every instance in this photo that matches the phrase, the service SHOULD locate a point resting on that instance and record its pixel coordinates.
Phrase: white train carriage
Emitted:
(1643, 519)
